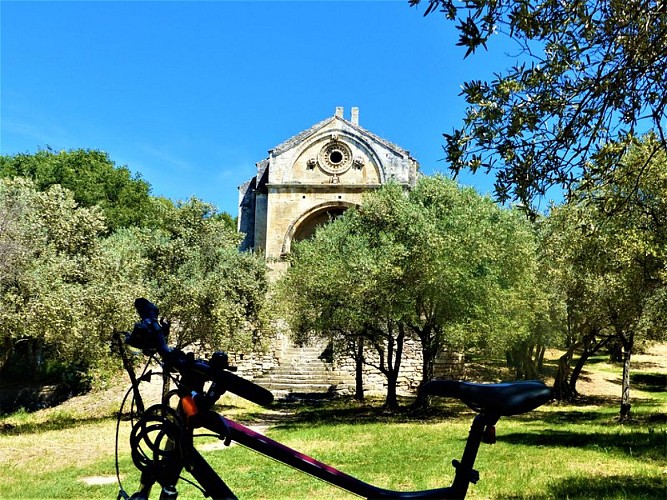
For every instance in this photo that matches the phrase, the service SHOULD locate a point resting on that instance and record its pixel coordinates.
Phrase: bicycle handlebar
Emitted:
(148, 335)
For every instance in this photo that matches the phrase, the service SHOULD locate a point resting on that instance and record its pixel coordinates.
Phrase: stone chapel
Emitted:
(307, 181)
(314, 177)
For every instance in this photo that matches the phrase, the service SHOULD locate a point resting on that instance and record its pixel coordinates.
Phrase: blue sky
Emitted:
(192, 94)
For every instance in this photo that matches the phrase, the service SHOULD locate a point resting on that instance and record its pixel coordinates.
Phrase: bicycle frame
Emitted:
(173, 447)
(232, 431)
(273, 449)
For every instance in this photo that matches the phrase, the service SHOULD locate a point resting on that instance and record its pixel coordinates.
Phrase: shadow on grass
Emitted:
(55, 422)
(645, 444)
(649, 382)
(334, 411)
(575, 417)
(340, 411)
(595, 360)
(610, 487)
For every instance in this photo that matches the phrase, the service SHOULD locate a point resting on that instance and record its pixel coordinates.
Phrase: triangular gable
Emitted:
(300, 137)
(303, 136)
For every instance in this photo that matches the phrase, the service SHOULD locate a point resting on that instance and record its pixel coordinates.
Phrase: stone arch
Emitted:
(304, 226)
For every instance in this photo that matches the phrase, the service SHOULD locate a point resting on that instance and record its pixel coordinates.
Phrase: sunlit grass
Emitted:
(550, 453)
(558, 451)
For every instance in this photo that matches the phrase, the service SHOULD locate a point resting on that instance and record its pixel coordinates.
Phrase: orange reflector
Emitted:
(189, 406)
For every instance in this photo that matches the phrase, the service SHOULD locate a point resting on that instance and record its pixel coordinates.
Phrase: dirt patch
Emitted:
(605, 380)
(104, 403)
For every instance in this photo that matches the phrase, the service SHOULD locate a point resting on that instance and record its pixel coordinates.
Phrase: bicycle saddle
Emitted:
(504, 399)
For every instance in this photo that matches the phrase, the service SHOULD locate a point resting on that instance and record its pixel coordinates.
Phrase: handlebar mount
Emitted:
(150, 335)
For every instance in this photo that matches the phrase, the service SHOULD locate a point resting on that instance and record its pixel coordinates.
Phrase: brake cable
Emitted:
(133, 387)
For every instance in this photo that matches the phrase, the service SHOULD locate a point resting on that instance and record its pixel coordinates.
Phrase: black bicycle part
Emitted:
(146, 375)
(149, 336)
(491, 401)
(158, 442)
(504, 399)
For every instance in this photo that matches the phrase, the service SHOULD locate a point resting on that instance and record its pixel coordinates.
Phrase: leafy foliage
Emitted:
(212, 293)
(440, 262)
(65, 285)
(344, 286)
(45, 295)
(588, 77)
(92, 177)
(609, 251)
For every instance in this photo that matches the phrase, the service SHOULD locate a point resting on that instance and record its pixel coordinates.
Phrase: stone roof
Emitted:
(302, 136)
(384, 142)
(262, 175)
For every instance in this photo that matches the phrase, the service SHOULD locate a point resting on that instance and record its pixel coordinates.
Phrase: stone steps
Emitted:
(300, 372)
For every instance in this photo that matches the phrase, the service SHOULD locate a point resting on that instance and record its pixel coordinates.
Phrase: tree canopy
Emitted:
(92, 177)
(66, 284)
(440, 263)
(588, 78)
(47, 286)
(212, 292)
(610, 264)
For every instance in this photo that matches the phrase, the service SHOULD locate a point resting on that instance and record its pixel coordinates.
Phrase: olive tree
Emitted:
(345, 285)
(212, 293)
(613, 261)
(45, 289)
(440, 262)
(470, 269)
(584, 75)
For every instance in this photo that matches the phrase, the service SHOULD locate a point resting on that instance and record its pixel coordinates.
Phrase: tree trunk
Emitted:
(359, 370)
(391, 366)
(577, 371)
(520, 358)
(562, 390)
(585, 355)
(615, 351)
(429, 352)
(391, 402)
(540, 358)
(625, 385)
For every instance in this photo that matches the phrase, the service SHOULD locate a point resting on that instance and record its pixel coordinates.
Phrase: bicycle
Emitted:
(162, 436)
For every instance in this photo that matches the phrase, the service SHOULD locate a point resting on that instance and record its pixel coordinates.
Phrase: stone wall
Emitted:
(448, 365)
(254, 364)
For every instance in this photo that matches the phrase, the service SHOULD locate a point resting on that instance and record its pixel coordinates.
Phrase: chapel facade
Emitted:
(314, 177)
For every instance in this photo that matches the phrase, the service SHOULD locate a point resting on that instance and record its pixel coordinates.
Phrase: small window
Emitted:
(336, 157)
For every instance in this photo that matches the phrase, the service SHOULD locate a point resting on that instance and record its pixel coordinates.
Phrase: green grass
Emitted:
(558, 451)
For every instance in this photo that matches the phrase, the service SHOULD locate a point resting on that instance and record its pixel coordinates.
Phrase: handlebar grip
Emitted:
(148, 334)
(245, 388)
(146, 309)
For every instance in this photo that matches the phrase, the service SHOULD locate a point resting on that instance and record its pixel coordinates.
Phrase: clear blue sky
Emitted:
(192, 94)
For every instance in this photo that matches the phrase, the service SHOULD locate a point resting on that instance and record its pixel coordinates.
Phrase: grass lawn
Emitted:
(557, 451)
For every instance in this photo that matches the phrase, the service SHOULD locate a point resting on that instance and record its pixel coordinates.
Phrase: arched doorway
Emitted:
(306, 225)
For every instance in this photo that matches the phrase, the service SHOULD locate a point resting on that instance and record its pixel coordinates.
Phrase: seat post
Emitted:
(465, 474)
